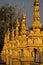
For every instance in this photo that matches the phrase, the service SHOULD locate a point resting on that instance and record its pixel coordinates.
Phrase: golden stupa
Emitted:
(25, 47)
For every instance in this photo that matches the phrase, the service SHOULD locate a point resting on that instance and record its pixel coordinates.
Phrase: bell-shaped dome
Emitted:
(36, 25)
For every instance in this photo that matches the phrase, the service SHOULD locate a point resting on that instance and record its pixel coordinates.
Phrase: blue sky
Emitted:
(27, 7)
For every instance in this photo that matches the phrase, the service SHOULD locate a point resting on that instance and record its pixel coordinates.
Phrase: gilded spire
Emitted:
(16, 12)
(17, 27)
(23, 12)
(8, 29)
(7, 35)
(8, 32)
(16, 16)
(12, 33)
(23, 23)
(16, 22)
(36, 2)
(23, 15)
(36, 23)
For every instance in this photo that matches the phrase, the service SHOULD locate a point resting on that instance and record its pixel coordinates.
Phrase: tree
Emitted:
(7, 13)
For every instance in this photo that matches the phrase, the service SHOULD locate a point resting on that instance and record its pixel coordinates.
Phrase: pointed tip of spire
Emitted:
(23, 14)
(37, 1)
(23, 6)
(16, 11)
